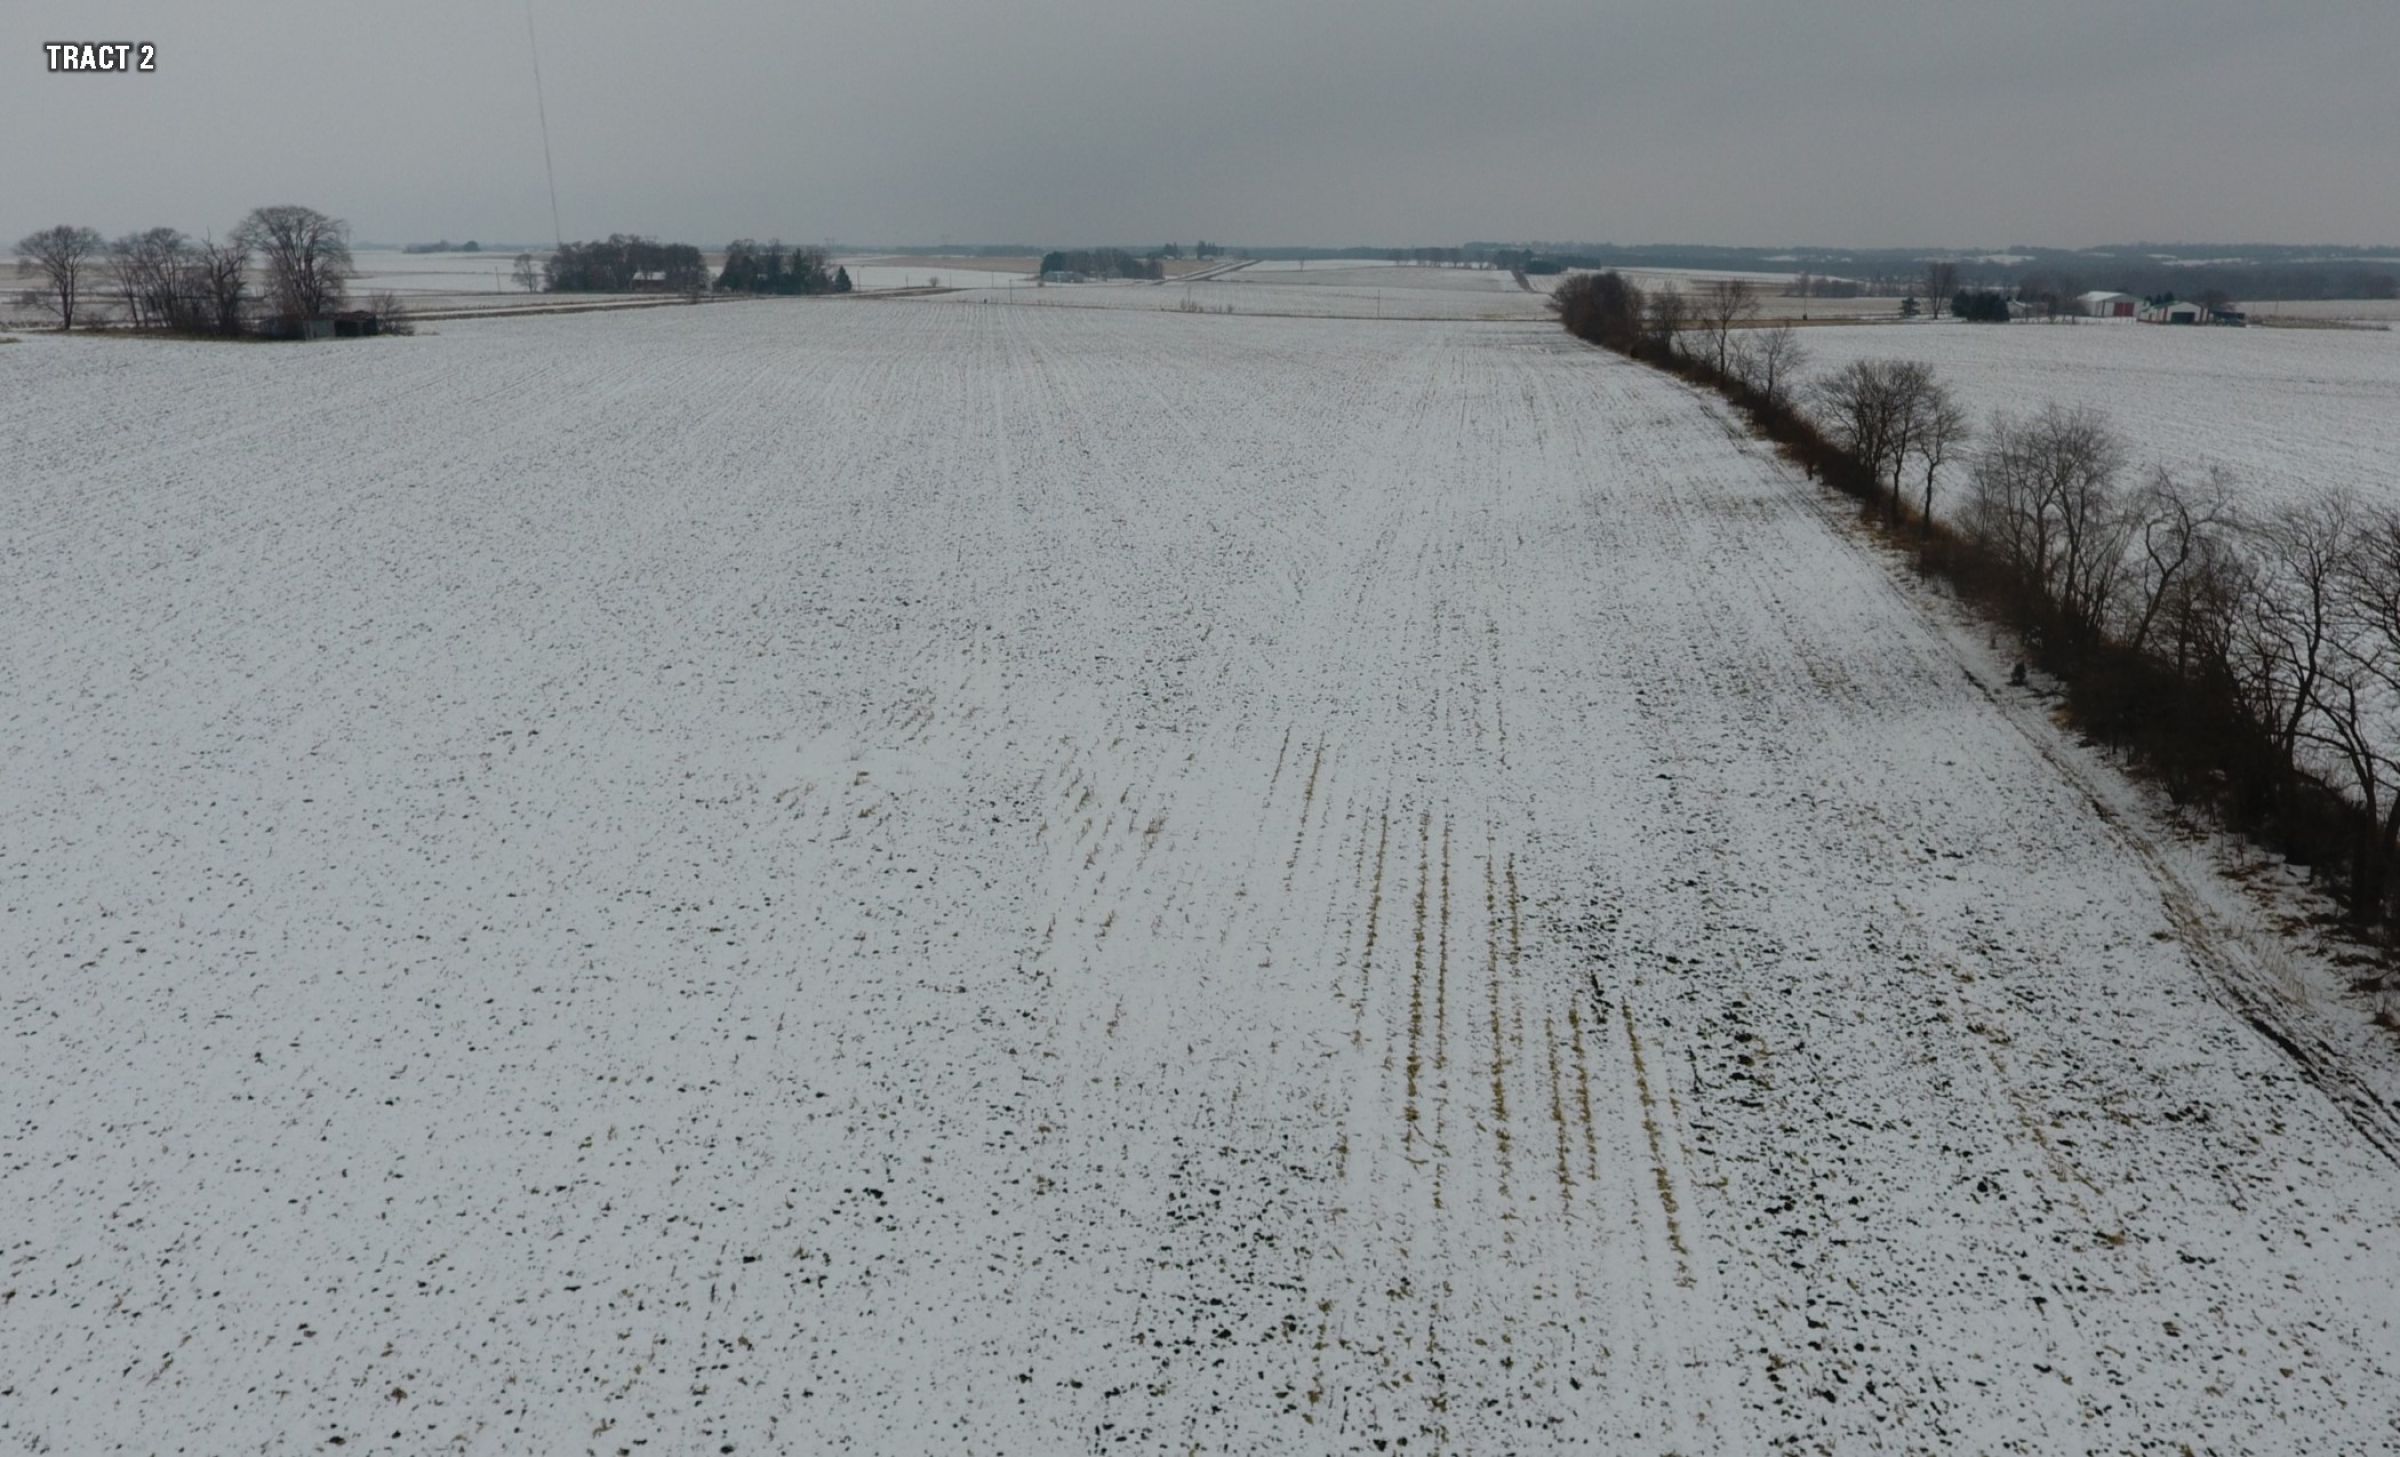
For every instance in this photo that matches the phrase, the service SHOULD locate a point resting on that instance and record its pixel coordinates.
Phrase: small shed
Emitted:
(2175, 311)
(2101, 304)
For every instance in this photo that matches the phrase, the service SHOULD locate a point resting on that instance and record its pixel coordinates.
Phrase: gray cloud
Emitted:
(1858, 121)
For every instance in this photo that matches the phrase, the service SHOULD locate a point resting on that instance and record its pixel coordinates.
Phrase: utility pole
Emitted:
(558, 234)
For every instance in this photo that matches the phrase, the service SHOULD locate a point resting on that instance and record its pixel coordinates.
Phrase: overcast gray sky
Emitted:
(1897, 122)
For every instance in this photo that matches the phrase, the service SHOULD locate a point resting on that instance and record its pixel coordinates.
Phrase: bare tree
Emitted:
(307, 256)
(2287, 636)
(1941, 428)
(1941, 281)
(1722, 307)
(1770, 361)
(1866, 406)
(2005, 510)
(152, 278)
(220, 274)
(2080, 457)
(391, 316)
(2199, 628)
(1665, 311)
(2044, 500)
(125, 272)
(2177, 532)
(528, 276)
(2355, 699)
(1910, 383)
(63, 257)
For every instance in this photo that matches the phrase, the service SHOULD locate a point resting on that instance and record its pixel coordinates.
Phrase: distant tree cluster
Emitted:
(1981, 305)
(444, 246)
(161, 278)
(626, 263)
(772, 268)
(623, 263)
(1106, 262)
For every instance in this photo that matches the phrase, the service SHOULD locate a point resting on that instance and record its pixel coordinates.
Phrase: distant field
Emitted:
(445, 281)
(2286, 411)
(943, 263)
(1319, 266)
(2358, 310)
(870, 275)
(1343, 289)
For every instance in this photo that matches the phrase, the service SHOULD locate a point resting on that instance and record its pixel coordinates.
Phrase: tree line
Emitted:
(161, 278)
(624, 263)
(770, 267)
(1105, 262)
(2248, 655)
(629, 263)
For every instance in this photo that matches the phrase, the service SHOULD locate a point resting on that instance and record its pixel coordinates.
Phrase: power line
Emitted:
(558, 234)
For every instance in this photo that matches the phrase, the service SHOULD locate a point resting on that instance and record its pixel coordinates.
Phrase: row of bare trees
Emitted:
(161, 278)
(1898, 421)
(1712, 330)
(2251, 657)
(2256, 652)
(165, 280)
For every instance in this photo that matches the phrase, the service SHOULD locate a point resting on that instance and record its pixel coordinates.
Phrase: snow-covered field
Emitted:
(2287, 412)
(902, 877)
